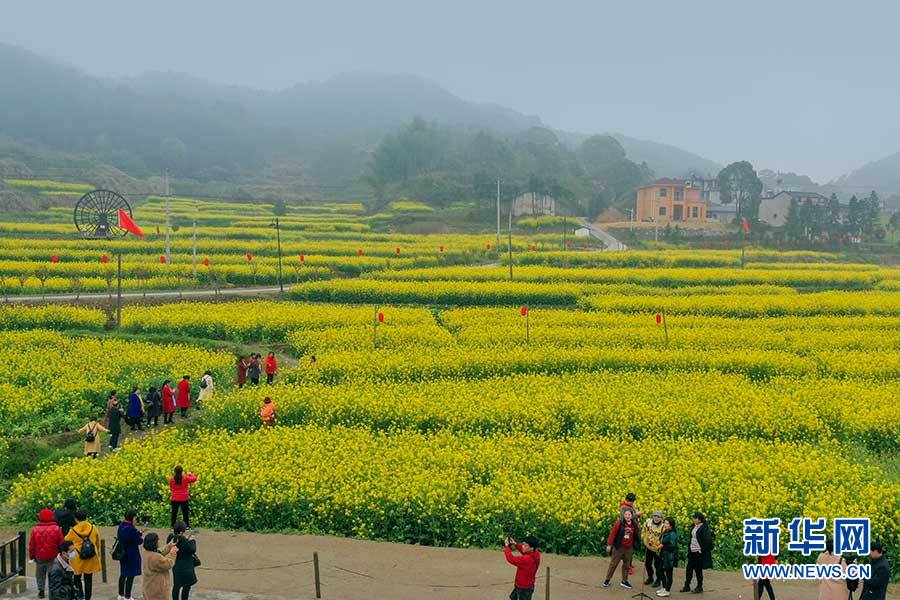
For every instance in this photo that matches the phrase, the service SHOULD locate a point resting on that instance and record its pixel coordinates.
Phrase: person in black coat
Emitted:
(114, 414)
(60, 576)
(65, 516)
(699, 553)
(153, 406)
(184, 574)
(875, 587)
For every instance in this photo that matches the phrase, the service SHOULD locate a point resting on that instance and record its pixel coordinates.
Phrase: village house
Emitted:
(532, 204)
(774, 209)
(672, 200)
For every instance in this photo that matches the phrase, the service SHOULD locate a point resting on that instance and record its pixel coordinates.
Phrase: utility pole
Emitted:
(565, 223)
(278, 237)
(119, 297)
(195, 246)
(168, 224)
(498, 213)
(509, 243)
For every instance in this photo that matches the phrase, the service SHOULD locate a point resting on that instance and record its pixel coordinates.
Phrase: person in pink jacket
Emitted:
(180, 484)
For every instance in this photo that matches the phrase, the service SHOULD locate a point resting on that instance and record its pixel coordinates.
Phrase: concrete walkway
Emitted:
(245, 566)
(612, 244)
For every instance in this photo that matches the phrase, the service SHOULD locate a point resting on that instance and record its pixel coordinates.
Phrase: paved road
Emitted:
(250, 291)
(612, 244)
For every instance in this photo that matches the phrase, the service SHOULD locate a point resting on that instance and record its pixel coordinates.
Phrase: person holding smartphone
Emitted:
(526, 563)
(184, 574)
(129, 539)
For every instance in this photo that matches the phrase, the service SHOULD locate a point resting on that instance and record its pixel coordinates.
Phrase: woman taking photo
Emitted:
(157, 579)
(180, 486)
(128, 552)
(184, 574)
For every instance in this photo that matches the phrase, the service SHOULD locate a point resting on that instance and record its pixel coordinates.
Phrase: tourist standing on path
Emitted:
(184, 574)
(114, 417)
(156, 583)
(832, 589)
(43, 546)
(765, 584)
(184, 395)
(271, 367)
(875, 587)
(86, 540)
(206, 389)
(180, 488)
(623, 540)
(168, 402)
(651, 534)
(669, 552)
(129, 539)
(135, 412)
(241, 371)
(153, 402)
(91, 433)
(254, 369)
(65, 516)
(60, 580)
(526, 564)
(699, 553)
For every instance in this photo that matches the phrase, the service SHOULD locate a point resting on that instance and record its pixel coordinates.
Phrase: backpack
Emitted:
(91, 435)
(203, 383)
(88, 550)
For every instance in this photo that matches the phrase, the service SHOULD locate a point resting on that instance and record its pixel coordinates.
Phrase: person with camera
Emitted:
(60, 582)
(180, 488)
(156, 582)
(526, 563)
(127, 550)
(86, 562)
(623, 540)
(184, 574)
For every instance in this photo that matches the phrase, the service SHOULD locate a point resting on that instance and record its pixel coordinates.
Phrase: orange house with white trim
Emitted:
(671, 200)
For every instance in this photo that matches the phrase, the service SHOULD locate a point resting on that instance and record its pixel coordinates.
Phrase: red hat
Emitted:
(46, 516)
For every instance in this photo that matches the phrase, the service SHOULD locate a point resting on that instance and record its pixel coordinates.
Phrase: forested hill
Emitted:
(164, 120)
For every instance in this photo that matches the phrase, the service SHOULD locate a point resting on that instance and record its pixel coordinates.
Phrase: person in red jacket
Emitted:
(623, 540)
(271, 367)
(168, 402)
(184, 395)
(179, 485)
(765, 584)
(526, 564)
(43, 546)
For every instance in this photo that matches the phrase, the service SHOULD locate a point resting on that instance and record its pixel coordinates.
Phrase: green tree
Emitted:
(854, 217)
(894, 224)
(871, 213)
(739, 184)
(833, 217)
(279, 208)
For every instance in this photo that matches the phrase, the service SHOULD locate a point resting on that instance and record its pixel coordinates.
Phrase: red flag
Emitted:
(746, 226)
(381, 317)
(249, 256)
(524, 310)
(360, 252)
(54, 259)
(302, 258)
(206, 262)
(162, 258)
(397, 250)
(658, 318)
(487, 246)
(127, 224)
(534, 246)
(104, 258)
(441, 248)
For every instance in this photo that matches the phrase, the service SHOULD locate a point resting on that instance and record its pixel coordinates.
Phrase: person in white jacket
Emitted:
(206, 388)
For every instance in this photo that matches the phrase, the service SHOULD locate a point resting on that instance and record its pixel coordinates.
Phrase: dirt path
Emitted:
(277, 567)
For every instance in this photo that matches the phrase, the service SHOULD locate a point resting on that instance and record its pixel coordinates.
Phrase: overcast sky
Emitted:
(805, 86)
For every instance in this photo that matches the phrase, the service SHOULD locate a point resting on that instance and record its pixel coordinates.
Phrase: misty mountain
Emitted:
(155, 121)
(882, 175)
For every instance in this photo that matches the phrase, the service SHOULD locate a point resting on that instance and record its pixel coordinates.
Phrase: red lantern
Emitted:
(54, 259)
(381, 317)
(104, 258)
(205, 262)
(658, 318)
(397, 250)
(441, 248)
(360, 252)
(302, 258)
(162, 259)
(524, 310)
(249, 256)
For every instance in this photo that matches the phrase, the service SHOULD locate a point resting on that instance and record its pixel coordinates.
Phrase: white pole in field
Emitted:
(498, 214)
(168, 221)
